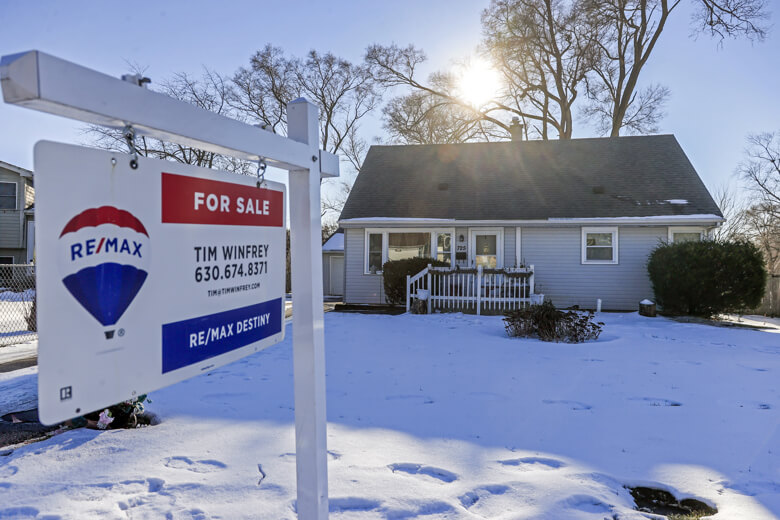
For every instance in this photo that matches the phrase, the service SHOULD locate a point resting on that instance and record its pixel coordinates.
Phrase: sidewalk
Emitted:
(14, 357)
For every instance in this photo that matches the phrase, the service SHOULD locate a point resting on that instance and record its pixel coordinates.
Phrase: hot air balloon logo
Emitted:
(104, 254)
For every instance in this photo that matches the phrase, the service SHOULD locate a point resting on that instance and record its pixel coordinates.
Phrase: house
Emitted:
(17, 215)
(585, 213)
(333, 264)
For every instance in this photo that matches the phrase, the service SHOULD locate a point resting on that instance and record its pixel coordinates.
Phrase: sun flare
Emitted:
(478, 83)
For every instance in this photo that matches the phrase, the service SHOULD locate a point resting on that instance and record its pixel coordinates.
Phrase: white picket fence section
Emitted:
(495, 291)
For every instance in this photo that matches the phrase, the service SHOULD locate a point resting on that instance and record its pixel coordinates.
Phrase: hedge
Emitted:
(708, 277)
(395, 271)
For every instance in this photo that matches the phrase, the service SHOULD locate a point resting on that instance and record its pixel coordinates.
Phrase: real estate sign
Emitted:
(148, 276)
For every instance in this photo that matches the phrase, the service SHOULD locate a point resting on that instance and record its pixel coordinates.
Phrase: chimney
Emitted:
(516, 129)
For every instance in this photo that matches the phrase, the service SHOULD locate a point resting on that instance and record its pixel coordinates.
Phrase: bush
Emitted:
(549, 324)
(707, 278)
(395, 271)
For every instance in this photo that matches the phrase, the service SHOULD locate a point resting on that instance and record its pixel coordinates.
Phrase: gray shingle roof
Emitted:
(529, 180)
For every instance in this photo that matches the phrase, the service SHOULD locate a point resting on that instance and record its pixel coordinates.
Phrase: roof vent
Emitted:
(443, 186)
(598, 189)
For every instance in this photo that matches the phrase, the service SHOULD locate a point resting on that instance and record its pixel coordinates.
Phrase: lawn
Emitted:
(436, 417)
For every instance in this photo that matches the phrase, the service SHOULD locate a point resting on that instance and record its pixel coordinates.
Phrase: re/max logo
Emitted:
(106, 245)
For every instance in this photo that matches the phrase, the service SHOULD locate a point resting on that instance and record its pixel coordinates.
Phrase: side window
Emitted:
(599, 245)
(7, 195)
(374, 256)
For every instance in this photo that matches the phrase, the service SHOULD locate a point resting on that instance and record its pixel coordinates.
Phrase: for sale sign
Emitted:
(149, 276)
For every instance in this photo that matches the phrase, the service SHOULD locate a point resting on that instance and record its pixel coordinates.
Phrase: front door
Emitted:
(486, 248)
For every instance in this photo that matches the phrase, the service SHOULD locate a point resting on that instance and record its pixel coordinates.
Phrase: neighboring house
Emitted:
(333, 264)
(585, 212)
(17, 215)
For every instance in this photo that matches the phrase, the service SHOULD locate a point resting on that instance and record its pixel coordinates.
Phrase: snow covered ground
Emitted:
(440, 417)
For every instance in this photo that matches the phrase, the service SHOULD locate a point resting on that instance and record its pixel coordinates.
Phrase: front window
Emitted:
(486, 251)
(687, 237)
(401, 246)
(599, 246)
(374, 253)
(444, 247)
(7, 195)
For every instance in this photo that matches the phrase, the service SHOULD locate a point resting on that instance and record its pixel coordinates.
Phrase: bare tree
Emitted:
(424, 118)
(544, 49)
(732, 206)
(436, 99)
(763, 228)
(343, 91)
(627, 32)
(761, 170)
(209, 92)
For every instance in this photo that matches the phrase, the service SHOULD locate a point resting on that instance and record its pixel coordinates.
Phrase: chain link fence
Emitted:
(17, 304)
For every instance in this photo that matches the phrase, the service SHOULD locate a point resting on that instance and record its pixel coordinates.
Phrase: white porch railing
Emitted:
(472, 290)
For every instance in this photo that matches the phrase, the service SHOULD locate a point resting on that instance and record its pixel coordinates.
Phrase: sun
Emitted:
(477, 82)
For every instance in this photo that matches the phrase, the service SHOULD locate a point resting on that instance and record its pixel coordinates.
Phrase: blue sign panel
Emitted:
(190, 341)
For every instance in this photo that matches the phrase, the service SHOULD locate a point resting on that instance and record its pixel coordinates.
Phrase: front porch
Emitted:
(477, 290)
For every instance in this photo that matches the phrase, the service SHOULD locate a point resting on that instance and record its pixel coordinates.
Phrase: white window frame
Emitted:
(435, 243)
(671, 230)
(499, 232)
(615, 245)
(385, 231)
(16, 196)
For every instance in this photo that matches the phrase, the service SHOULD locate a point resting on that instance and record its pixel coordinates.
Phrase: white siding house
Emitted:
(17, 229)
(585, 213)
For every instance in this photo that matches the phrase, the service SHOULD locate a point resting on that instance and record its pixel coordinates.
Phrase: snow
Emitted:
(698, 216)
(707, 217)
(676, 201)
(646, 302)
(11, 353)
(10, 296)
(440, 417)
(334, 243)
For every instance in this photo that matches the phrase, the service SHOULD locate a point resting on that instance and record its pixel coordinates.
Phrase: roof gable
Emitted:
(530, 180)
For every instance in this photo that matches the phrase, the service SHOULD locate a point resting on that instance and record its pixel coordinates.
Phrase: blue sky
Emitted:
(719, 94)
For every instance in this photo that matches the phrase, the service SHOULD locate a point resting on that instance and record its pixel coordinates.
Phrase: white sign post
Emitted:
(43, 82)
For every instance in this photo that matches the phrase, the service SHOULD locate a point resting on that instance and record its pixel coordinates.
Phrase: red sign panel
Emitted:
(192, 200)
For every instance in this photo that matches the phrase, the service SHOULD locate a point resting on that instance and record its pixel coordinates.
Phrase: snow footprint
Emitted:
(196, 466)
(495, 500)
(536, 462)
(574, 405)
(654, 401)
(429, 471)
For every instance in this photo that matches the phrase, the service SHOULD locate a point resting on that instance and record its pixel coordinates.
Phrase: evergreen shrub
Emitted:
(707, 278)
(394, 273)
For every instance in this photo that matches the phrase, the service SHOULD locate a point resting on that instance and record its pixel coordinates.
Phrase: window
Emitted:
(401, 246)
(385, 245)
(685, 234)
(374, 256)
(7, 195)
(486, 251)
(6, 260)
(600, 245)
(444, 247)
